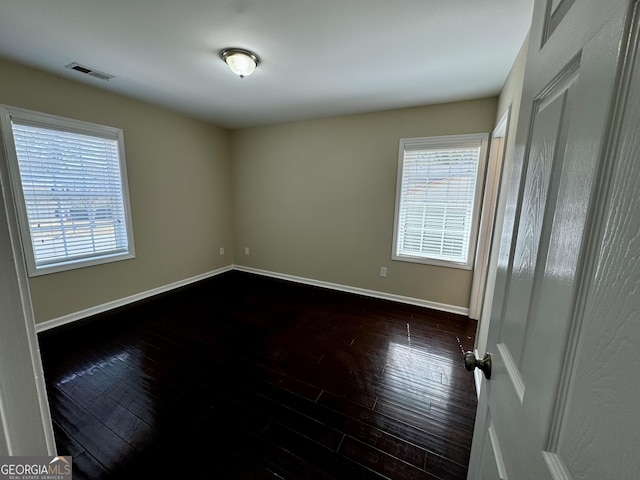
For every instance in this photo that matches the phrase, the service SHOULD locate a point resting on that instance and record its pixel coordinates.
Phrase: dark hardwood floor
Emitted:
(243, 376)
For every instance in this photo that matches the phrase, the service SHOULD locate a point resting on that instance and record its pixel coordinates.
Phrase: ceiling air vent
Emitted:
(88, 71)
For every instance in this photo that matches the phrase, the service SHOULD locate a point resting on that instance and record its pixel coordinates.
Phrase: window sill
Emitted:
(433, 262)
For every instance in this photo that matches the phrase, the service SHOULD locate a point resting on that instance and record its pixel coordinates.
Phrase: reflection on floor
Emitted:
(244, 376)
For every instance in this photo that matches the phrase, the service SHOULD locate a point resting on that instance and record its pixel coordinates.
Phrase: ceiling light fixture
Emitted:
(241, 62)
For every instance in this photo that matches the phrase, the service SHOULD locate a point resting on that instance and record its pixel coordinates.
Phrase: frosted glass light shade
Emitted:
(241, 62)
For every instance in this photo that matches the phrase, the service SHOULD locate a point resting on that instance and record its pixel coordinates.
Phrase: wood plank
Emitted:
(250, 377)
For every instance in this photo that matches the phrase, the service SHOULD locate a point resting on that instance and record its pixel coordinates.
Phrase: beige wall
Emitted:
(179, 183)
(316, 199)
(311, 199)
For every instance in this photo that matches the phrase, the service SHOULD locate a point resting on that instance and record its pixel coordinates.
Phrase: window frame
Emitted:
(441, 142)
(63, 124)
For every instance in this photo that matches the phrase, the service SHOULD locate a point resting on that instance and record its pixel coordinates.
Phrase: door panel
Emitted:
(546, 139)
(555, 13)
(492, 462)
(489, 462)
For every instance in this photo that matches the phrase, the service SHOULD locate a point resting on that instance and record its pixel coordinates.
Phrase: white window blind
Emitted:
(436, 208)
(72, 205)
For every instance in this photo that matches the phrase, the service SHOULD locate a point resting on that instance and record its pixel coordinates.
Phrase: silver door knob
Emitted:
(471, 362)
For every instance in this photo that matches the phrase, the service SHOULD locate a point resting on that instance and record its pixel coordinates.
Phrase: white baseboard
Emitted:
(73, 317)
(360, 291)
(105, 307)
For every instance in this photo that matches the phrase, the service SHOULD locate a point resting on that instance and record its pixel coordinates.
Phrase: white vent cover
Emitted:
(88, 71)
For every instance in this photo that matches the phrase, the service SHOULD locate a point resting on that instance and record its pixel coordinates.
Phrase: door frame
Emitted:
(25, 419)
(497, 150)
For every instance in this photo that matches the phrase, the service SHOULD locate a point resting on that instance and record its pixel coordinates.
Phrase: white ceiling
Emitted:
(318, 57)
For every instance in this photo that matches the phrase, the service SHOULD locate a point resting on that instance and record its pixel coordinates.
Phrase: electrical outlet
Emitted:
(383, 271)
(221, 250)
(246, 250)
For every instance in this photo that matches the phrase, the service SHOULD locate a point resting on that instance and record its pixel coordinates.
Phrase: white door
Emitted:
(562, 400)
(25, 422)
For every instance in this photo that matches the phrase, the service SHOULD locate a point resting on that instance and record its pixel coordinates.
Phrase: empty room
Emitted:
(316, 240)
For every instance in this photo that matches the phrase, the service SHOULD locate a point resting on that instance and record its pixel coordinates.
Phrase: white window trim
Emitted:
(451, 141)
(70, 125)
